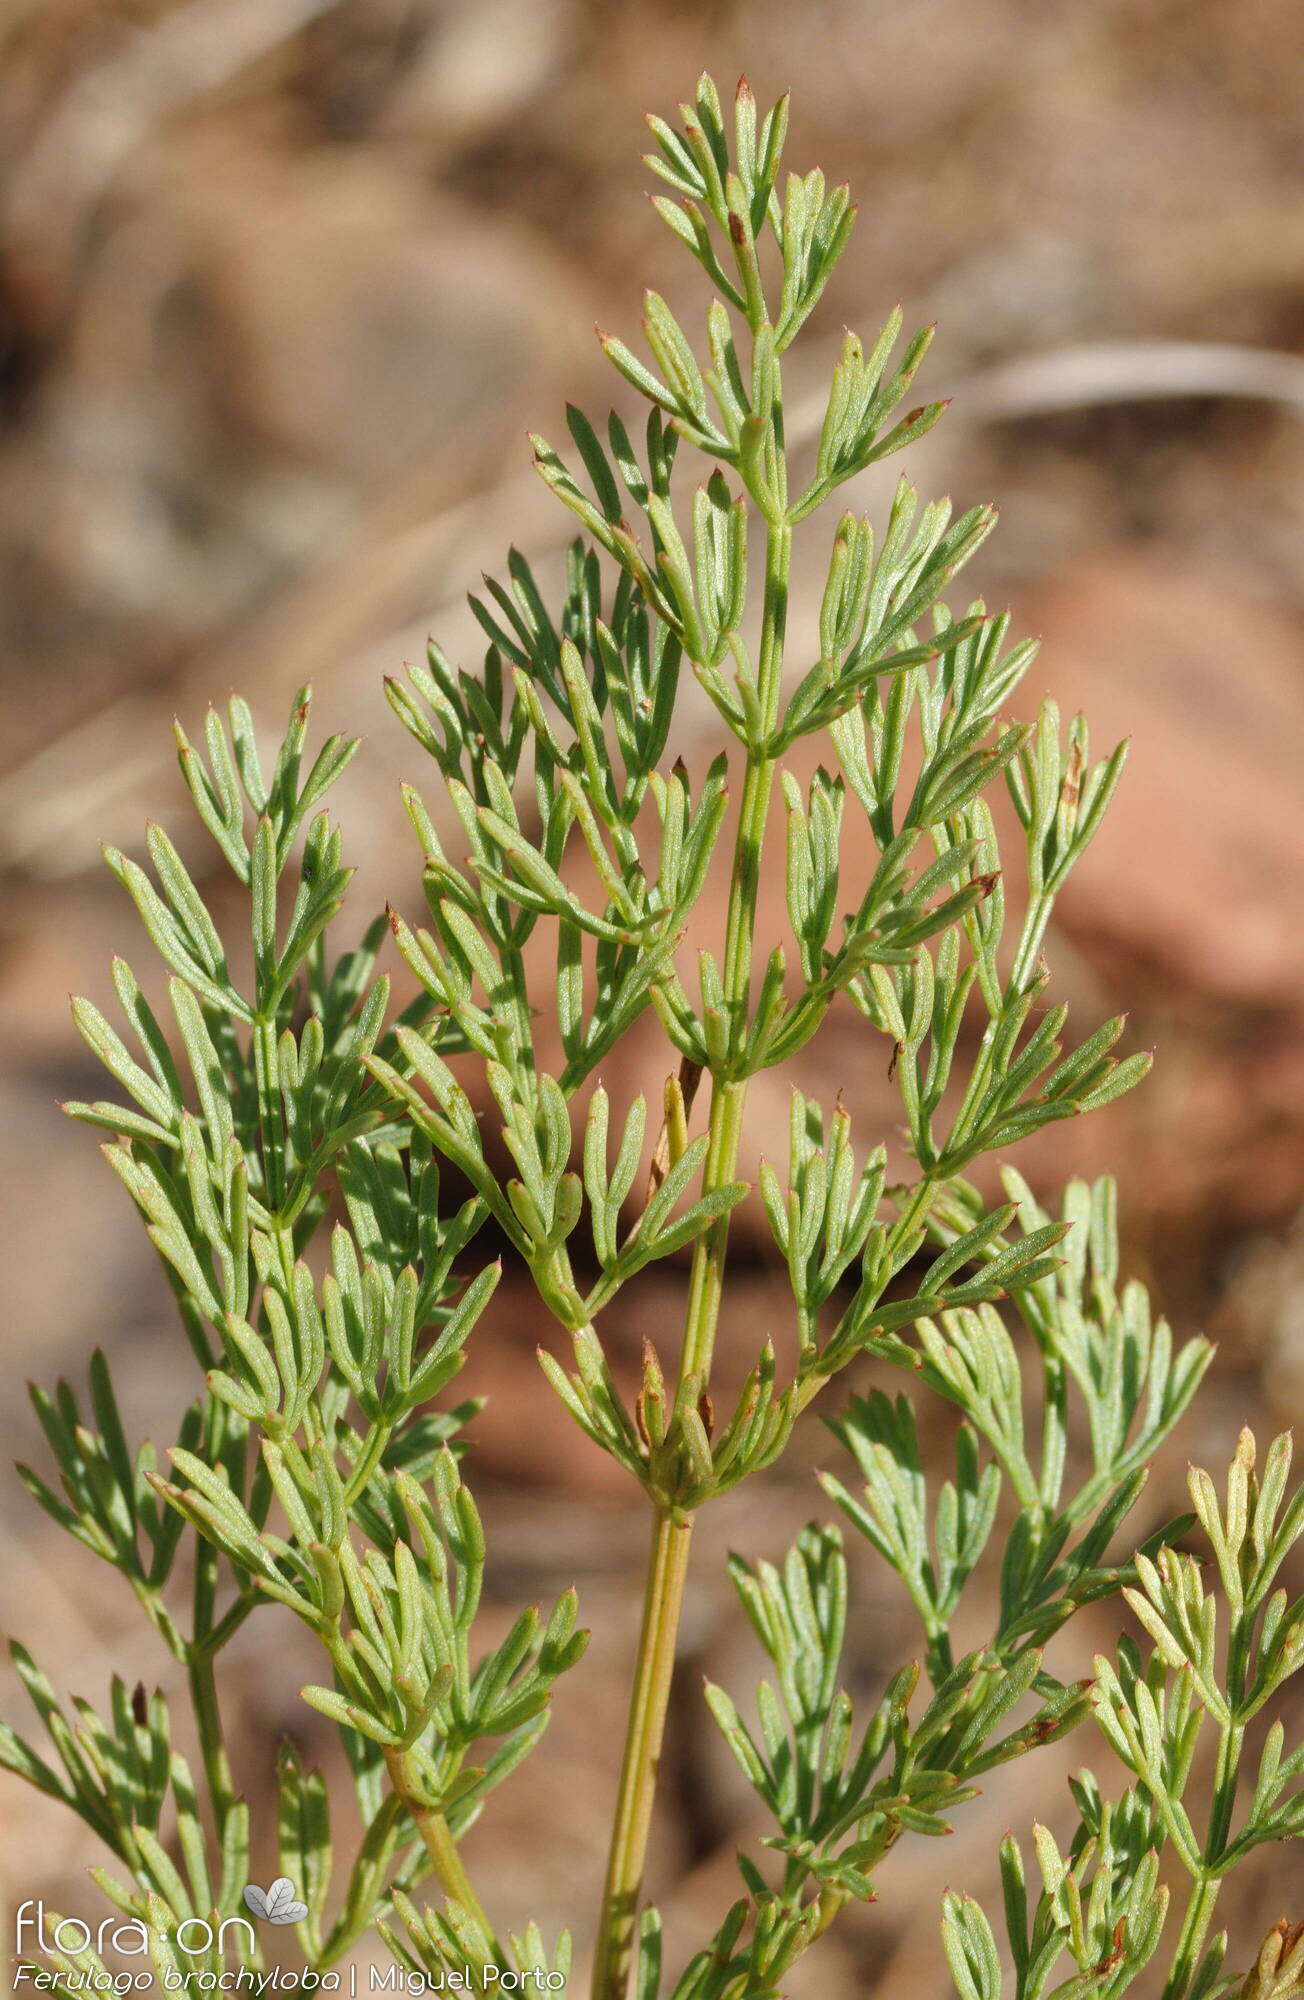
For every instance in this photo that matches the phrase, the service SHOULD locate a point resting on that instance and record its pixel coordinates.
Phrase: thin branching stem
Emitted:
(654, 1670)
(437, 1838)
(672, 1532)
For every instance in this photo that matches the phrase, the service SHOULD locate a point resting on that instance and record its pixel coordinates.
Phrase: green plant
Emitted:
(290, 1148)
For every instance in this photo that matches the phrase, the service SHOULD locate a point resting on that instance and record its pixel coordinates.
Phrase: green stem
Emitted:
(203, 1690)
(161, 1619)
(706, 1282)
(1195, 1925)
(1030, 941)
(212, 1742)
(1230, 1740)
(662, 1600)
(728, 1094)
(1204, 1890)
(437, 1837)
(672, 1534)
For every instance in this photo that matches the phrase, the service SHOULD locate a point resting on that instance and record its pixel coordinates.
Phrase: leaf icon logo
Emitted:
(277, 1905)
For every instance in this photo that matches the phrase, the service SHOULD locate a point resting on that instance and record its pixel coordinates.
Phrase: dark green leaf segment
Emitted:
(315, 1171)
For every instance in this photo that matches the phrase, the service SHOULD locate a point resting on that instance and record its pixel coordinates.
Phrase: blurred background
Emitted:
(282, 285)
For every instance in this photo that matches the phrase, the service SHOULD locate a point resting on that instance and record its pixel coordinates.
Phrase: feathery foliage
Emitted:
(320, 1177)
